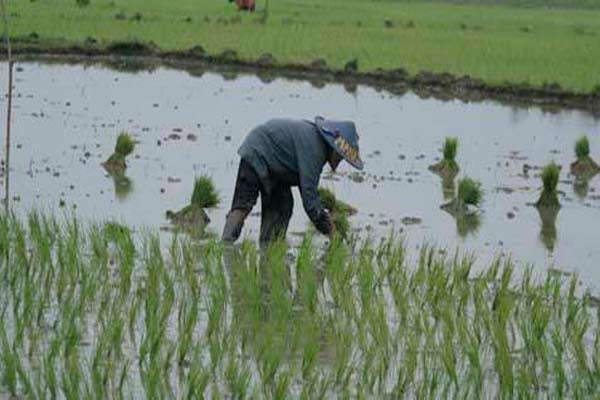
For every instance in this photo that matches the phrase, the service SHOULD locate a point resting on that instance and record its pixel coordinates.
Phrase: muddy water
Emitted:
(66, 119)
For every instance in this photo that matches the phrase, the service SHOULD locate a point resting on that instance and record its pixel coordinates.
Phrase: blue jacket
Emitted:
(289, 152)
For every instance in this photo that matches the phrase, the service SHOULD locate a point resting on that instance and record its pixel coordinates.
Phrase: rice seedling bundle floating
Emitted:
(124, 147)
(549, 196)
(584, 167)
(469, 194)
(204, 196)
(447, 168)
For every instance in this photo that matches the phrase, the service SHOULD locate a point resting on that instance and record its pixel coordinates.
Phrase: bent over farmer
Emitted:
(282, 153)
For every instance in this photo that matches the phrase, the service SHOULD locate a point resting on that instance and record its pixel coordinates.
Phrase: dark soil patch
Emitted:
(132, 48)
(115, 164)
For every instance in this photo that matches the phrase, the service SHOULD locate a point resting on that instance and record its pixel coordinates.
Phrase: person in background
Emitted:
(245, 5)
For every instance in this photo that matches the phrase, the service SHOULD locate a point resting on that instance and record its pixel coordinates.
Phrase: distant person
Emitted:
(246, 5)
(282, 153)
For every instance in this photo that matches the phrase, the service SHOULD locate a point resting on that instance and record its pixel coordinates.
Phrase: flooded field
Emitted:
(94, 310)
(67, 118)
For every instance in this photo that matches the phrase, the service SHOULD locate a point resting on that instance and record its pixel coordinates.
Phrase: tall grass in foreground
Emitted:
(92, 311)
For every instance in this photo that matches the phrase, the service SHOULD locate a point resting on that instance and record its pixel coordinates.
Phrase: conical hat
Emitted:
(342, 137)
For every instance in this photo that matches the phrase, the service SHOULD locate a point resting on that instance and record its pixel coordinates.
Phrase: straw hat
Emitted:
(342, 137)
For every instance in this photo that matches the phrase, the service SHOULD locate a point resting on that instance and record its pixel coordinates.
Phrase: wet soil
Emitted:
(115, 164)
(585, 168)
(140, 55)
(66, 117)
(446, 170)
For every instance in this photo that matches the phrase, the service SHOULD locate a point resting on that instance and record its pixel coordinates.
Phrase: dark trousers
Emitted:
(277, 203)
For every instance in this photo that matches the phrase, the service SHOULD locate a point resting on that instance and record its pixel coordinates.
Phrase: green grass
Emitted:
(494, 42)
(91, 311)
(205, 194)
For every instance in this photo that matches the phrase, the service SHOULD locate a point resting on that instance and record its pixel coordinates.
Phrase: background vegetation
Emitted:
(499, 41)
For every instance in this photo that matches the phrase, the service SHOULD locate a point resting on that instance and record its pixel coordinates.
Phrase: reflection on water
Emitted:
(468, 224)
(123, 185)
(581, 187)
(548, 233)
(448, 187)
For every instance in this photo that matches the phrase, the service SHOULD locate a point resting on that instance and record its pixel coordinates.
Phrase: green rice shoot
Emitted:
(550, 176)
(450, 149)
(368, 319)
(582, 148)
(205, 194)
(469, 192)
(125, 144)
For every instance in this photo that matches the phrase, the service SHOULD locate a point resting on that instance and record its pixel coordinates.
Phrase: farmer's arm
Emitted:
(310, 173)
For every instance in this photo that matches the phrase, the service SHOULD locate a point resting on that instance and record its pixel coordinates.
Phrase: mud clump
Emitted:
(584, 167)
(228, 56)
(196, 51)
(339, 211)
(549, 196)
(116, 163)
(447, 168)
(133, 47)
(351, 66)
(318, 64)
(266, 60)
(194, 216)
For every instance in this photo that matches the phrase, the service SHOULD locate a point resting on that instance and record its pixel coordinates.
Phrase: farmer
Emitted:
(283, 153)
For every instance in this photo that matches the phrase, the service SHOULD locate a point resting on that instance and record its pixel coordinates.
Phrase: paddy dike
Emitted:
(444, 86)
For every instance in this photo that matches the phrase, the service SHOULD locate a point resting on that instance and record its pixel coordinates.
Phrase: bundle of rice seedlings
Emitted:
(549, 196)
(447, 167)
(584, 166)
(204, 196)
(469, 193)
(116, 162)
(339, 210)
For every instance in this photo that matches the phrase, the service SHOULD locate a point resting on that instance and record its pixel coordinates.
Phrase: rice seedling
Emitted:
(549, 195)
(197, 321)
(464, 206)
(469, 193)
(193, 217)
(339, 210)
(584, 167)
(447, 168)
(116, 163)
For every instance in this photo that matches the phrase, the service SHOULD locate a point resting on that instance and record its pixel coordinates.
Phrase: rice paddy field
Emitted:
(466, 264)
(88, 311)
(101, 298)
(519, 42)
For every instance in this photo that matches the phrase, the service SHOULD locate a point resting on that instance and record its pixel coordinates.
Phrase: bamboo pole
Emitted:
(8, 110)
